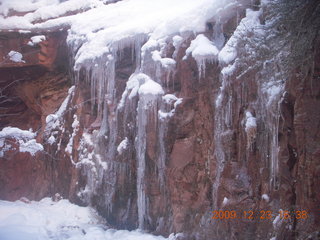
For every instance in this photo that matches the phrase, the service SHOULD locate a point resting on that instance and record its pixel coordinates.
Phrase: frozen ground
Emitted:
(60, 220)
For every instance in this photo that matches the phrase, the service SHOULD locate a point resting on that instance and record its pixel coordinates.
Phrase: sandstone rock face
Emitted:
(29, 92)
(168, 173)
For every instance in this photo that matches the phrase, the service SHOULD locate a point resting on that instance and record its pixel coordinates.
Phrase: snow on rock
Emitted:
(15, 57)
(25, 138)
(169, 99)
(51, 140)
(17, 133)
(202, 50)
(228, 70)
(176, 42)
(102, 27)
(53, 120)
(75, 126)
(165, 62)
(251, 122)
(265, 197)
(150, 87)
(228, 53)
(277, 221)
(225, 201)
(30, 146)
(123, 145)
(140, 84)
(35, 40)
(250, 128)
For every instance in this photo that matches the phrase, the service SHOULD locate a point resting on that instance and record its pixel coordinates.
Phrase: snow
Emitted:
(26, 140)
(51, 140)
(169, 98)
(35, 40)
(251, 122)
(61, 220)
(23, 5)
(177, 40)
(123, 145)
(265, 197)
(277, 221)
(201, 46)
(151, 87)
(15, 57)
(228, 70)
(53, 120)
(228, 53)
(103, 27)
(140, 84)
(202, 50)
(75, 128)
(30, 146)
(165, 62)
(225, 201)
(17, 133)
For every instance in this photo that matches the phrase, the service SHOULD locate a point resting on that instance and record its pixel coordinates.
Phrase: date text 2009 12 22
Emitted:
(262, 214)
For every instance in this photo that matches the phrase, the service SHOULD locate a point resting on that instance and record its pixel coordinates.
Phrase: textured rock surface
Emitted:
(185, 176)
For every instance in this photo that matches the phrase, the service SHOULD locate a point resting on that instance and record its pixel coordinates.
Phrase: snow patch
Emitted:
(203, 51)
(15, 57)
(123, 145)
(265, 197)
(229, 52)
(250, 128)
(151, 87)
(30, 146)
(51, 140)
(75, 126)
(35, 40)
(53, 120)
(225, 201)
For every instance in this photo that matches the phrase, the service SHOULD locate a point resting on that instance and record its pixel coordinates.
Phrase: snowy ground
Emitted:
(61, 220)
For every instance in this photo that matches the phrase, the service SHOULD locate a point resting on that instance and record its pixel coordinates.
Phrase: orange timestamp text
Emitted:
(262, 214)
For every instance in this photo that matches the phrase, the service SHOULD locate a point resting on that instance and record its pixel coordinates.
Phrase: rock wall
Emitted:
(240, 140)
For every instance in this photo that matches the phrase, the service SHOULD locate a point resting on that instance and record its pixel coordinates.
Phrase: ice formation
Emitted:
(203, 51)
